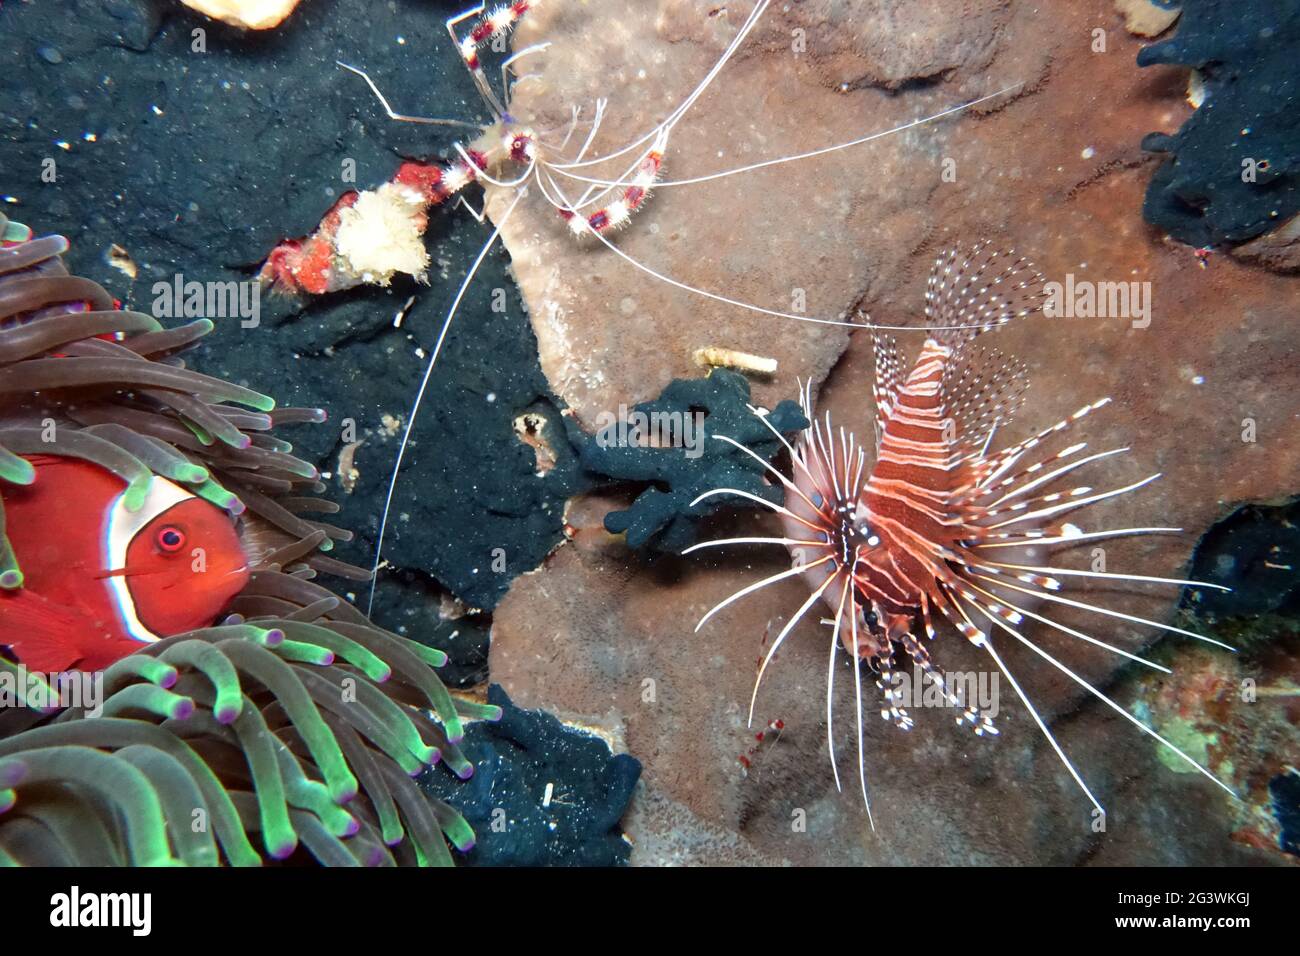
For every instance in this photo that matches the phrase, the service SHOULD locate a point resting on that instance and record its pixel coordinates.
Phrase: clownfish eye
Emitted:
(170, 539)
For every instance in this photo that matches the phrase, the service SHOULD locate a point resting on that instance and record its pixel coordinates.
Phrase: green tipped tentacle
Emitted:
(257, 743)
(15, 469)
(17, 232)
(426, 835)
(430, 655)
(473, 710)
(115, 781)
(11, 575)
(359, 656)
(305, 794)
(148, 697)
(181, 801)
(201, 435)
(216, 667)
(390, 715)
(361, 759)
(169, 340)
(279, 678)
(457, 829)
(451, 753)
(119, 732)
(408, 665)
(304, 653)
(70, 442)
(139, 666)
(160, 457)
(215, 494)
(330, 696)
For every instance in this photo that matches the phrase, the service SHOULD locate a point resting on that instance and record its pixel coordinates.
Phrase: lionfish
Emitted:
(938, 522)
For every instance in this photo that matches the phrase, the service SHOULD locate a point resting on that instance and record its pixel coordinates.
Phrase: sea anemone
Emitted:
(289, 729)
(296, 718)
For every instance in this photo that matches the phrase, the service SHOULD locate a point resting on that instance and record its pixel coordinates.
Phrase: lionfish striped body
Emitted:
(939, 526)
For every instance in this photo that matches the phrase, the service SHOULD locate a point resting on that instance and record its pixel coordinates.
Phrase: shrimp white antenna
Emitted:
(467, 49)
(403, 117)
(686, 104)
(506, 86)
(709, 177)
(424, 384)
(695, 290)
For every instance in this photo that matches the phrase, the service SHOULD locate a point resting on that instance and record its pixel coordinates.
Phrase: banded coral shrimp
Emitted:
(512, 158)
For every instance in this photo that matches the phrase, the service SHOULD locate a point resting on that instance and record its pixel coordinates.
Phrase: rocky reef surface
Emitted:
(1202, 390)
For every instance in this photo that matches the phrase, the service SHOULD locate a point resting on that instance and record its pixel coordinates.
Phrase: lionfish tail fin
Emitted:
(979, 288)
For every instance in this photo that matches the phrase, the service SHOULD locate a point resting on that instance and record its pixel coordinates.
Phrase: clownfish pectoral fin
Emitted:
(126, 573)
(42, 635)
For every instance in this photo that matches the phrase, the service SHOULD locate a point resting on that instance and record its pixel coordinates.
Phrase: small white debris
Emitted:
(121, 260)
(715, 357)
(348, 472)
(402, 312)
(1088, 152)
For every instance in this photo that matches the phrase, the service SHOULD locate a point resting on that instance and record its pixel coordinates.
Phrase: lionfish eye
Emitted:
(170, 539)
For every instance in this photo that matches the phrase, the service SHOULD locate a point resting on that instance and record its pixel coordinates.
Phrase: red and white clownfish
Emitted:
(98, 580)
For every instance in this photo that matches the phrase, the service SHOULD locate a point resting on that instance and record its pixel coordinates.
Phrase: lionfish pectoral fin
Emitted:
(982, 389)
(890, 375)
(972, 290)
